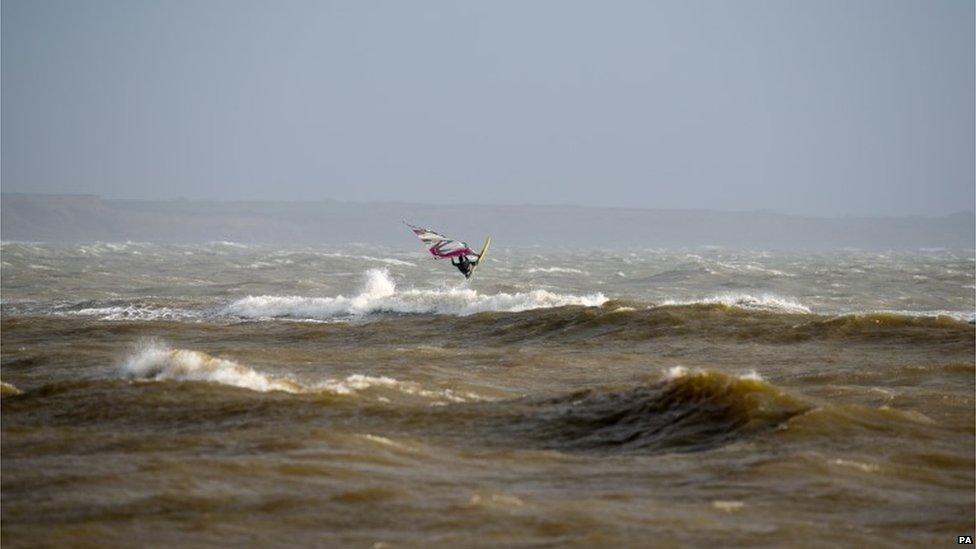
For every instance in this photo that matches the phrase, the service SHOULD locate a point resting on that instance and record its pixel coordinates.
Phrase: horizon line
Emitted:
(767, 211)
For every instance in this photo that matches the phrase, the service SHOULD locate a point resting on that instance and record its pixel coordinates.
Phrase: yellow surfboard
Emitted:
(481, 256)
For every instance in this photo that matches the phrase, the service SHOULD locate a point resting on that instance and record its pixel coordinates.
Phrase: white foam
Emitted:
(98, 248)
(962, 316)
(380, 295)
(677, 372)
(135, 312)
(386, 260)
(226, 244)
(751, 267)
(751, 375)
(155, 361)
(356, 383)
(555, 270)
(728, 506)
(384, 441)
(501, 501)
(762, 302)
(866, 467)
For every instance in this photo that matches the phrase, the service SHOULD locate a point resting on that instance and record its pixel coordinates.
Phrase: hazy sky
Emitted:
(814, 107)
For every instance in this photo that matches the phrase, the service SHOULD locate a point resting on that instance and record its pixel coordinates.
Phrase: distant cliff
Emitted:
(86, 217)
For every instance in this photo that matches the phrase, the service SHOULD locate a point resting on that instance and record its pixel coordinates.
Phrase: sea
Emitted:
(227, 394)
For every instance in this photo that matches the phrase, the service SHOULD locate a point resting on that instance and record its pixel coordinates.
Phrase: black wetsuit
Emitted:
(464, 265)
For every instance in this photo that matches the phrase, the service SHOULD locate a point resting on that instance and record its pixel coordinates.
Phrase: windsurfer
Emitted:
(442, 247)
(463, 264)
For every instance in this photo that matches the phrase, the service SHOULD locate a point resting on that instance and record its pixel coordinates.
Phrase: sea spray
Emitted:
(156, 361)
(380, 295)
(761, 302)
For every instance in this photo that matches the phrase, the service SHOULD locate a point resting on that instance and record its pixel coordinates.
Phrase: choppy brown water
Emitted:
(623, 423)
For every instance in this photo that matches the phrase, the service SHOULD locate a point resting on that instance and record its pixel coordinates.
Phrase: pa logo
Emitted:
(964, 540)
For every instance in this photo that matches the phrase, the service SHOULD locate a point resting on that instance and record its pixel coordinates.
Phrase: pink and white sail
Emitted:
(440, 246)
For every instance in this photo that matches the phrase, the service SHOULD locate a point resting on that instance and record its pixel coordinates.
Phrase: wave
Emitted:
(762, 302)
(7, 389)
(629, 322)
(157, 362)
(960, 316)
(906, 324)
(751, 268)
(227, 244)
(386, 260)
(556, 270)
(136, 312)
(686, 411)
(380, 295)
(690, 410)
(533, 316)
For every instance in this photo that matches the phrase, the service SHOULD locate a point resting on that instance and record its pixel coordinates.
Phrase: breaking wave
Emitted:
(960, 316)
(386, 260)
(226, 244)
(549, 270)
(630, 322)
(762, 302)
(7, 389)
(686, 411)
(751, 268)
(380, 295)
(135, 312)
(157, 362)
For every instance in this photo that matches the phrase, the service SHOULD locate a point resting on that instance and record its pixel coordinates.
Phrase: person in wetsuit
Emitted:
(463, 264)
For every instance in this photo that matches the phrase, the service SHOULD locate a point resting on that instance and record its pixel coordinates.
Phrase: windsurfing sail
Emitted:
(440, 246)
